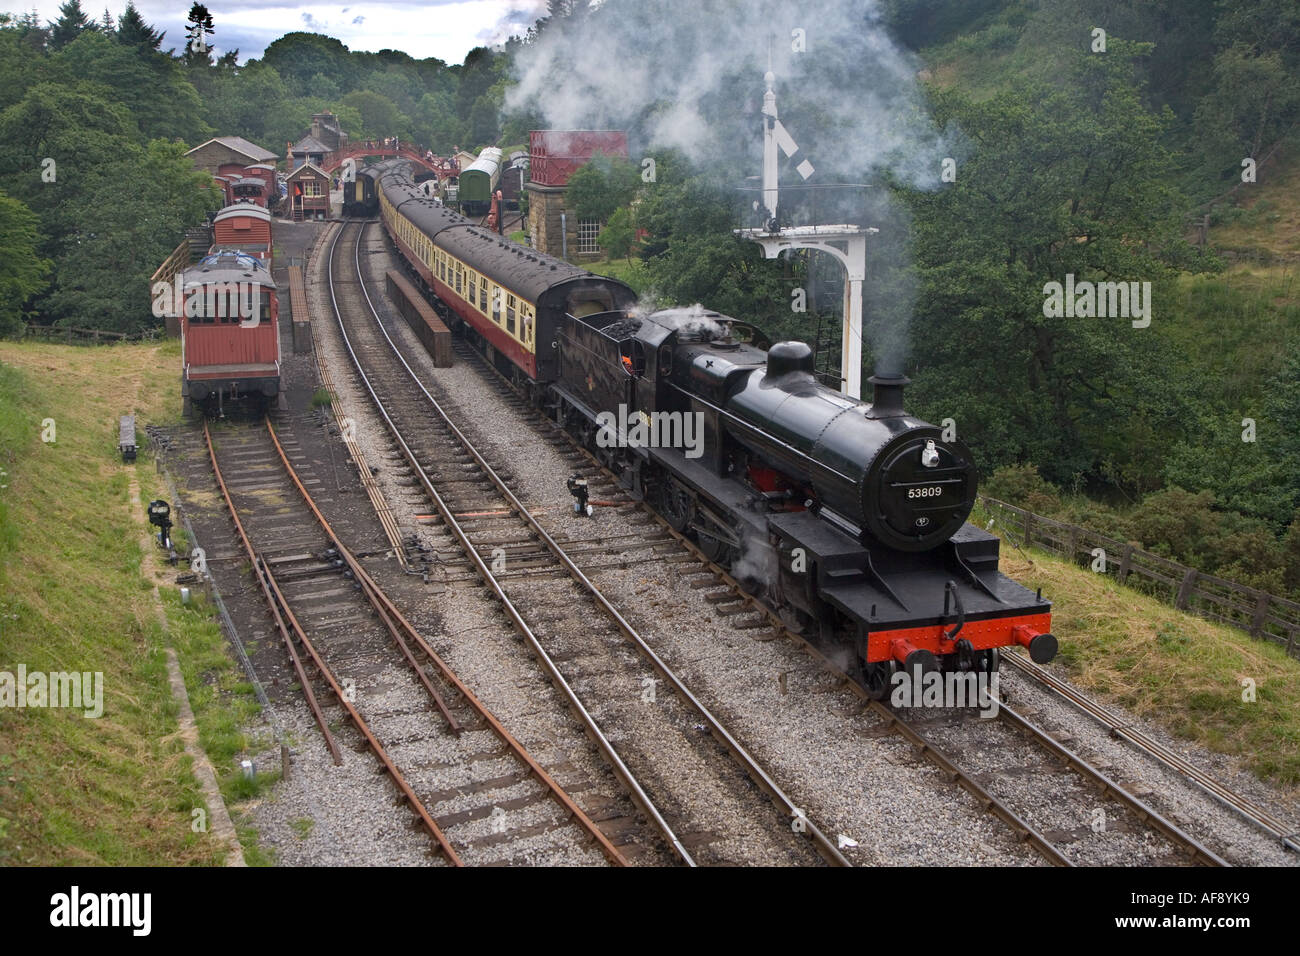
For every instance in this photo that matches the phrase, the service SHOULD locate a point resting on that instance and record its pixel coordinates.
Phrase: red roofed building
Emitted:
(553, 156)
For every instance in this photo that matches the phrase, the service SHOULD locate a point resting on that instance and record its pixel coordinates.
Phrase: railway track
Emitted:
(727, 592)
(1256, 815)
(677, 762)
(453, 764)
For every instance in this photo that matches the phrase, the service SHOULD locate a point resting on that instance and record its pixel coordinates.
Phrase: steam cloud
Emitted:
(688, 74)
(680, 64)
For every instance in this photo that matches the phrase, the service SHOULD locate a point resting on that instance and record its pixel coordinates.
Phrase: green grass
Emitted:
(1235, 327)
(77, 595)
(631, 271)
(1180, 670)
(1265, 220)
(321, 397)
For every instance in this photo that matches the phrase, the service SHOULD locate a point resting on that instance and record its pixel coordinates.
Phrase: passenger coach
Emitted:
(457, 260)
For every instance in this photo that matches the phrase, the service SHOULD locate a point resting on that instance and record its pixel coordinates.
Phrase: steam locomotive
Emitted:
(850, 516)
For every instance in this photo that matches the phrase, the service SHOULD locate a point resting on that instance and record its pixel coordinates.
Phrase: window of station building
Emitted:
(588, 230)
(510, 314)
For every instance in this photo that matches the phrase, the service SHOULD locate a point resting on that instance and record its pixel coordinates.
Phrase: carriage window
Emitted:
(665, 360)
(510, 315)
(496, 305)
(473, 289)
(482, 293)
(460, 287)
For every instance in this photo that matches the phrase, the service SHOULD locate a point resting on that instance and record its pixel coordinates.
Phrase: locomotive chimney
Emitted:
(887, 395)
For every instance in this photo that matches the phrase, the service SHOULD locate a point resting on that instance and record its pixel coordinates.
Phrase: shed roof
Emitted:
(305, 170)
(242, 209)
(240, 145)
(309, 144)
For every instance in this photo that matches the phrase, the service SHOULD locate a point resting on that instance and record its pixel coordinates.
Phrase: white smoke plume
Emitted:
(689, 74)
(756, 561)
(674, 69)
(690, 320)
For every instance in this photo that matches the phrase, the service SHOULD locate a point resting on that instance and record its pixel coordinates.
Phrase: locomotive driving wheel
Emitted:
(715, 549)
(877, 677)
(675, 505)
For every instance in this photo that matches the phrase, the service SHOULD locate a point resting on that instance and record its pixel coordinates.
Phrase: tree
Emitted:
(435, 122)
(22, 272)
(138, 79)
(27, 30)
(251, 103)
(602, 185)
(198, 27)
(619, 235)
(119, 237)
(297, 57)
(1254, 103)
(1061, 180)
(379, 117)
(133, 32)
(21, 65)
(72, 23)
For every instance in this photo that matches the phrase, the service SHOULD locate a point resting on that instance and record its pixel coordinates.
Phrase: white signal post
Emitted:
(847, 243)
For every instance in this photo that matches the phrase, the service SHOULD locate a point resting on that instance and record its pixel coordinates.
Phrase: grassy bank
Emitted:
(77, 595)
(1182, 671)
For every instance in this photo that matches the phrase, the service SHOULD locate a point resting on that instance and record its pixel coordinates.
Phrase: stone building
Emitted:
(553, 156)
(223, 154)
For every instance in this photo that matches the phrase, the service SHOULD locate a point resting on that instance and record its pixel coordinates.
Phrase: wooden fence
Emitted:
(77, 336)
(1260, 614)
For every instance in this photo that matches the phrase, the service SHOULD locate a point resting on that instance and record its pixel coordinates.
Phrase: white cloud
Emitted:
(447, 29)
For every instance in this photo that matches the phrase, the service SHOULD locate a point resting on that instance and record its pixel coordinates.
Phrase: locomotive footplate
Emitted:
(927, 601)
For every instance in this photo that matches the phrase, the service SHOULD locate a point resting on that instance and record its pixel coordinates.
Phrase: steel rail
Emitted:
(1288, 836)
(265, 574)
(312, 703)
(621, 770)
(824, 846)
(1196, 850)
(395, 621)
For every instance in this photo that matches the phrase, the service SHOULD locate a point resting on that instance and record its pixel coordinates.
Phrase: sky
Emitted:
(447, 29)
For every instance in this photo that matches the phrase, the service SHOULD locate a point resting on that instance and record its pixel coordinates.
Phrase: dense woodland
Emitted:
(1069, 162)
